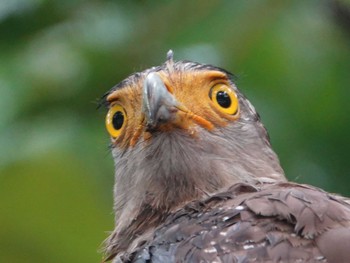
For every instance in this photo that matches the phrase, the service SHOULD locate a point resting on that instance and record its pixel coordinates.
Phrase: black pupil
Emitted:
(223, 99)
(118, 120)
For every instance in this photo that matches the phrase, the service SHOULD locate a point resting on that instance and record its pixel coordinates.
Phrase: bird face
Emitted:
(180, 131)
(162, 102)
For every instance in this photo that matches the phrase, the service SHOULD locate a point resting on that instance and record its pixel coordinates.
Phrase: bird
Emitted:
(196, 178)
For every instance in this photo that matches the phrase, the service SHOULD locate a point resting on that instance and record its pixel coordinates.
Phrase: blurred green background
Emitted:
(292, 59)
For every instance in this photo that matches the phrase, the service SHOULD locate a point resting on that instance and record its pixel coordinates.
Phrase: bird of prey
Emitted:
(196, 179)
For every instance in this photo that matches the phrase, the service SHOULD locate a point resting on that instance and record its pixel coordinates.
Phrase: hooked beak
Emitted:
(159, 105)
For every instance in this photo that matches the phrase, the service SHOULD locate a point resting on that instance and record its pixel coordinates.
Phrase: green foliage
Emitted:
(292, 59)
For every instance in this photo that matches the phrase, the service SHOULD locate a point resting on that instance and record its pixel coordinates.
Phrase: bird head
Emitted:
(180, 131)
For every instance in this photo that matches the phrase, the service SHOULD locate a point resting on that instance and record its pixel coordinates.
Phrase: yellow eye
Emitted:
(224, 98)
(115, 120)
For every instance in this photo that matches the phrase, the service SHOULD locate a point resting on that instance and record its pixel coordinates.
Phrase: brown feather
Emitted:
(234, 225)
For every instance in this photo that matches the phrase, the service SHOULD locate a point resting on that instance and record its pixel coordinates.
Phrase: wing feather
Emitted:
(283, 222)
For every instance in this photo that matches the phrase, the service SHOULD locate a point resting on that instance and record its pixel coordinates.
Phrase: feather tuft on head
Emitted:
(170, 60)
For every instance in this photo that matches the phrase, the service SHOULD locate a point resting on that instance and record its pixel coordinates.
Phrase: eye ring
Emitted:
(224, 98)
(115, 120)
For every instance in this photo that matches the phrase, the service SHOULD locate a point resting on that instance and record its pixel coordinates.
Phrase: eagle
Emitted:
(196, 179)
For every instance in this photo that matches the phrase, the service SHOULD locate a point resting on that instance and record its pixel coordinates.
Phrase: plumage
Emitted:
(198, 181)
(246, 223)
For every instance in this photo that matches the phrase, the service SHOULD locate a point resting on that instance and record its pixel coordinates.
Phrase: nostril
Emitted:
(165, 114)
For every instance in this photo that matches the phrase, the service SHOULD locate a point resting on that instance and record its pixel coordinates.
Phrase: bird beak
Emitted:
(159, 105)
